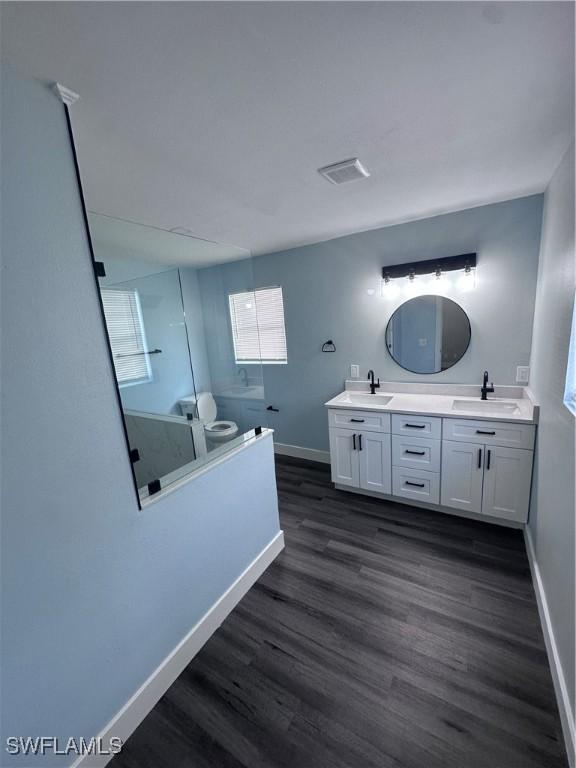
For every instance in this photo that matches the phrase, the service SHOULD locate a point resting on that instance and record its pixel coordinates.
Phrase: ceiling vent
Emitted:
(342, 173)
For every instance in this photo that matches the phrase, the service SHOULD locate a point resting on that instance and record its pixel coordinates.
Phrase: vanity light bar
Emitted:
(465, 261)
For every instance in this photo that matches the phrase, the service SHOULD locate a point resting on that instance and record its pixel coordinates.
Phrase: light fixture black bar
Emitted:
(430, 266)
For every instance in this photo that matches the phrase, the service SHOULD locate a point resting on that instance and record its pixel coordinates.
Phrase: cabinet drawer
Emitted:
(416, 484)
(424, 426)
(365, 421)
(490, 433)
(416, 453)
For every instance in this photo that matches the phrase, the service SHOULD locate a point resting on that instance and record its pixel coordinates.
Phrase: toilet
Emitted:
(216, 431)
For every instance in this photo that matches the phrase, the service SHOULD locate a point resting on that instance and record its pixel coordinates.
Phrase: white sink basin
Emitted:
(362, 398)
(486, 406)
(238, 390)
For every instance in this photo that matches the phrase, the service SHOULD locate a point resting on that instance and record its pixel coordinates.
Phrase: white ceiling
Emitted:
(215, 116)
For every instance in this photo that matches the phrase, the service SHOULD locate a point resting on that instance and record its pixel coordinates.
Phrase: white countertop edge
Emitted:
(148, 501)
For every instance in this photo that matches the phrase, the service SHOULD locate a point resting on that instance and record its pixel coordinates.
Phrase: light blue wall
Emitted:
(553, 491)
(326, 286)
(216, 283)
(195, 324)
(95, 593)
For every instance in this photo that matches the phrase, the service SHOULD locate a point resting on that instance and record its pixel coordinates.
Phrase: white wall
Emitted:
(95, 594)
(552, 513)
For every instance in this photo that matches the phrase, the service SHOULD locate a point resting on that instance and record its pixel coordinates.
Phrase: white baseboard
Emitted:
(312, 454)
(562, 697)
(125, 722)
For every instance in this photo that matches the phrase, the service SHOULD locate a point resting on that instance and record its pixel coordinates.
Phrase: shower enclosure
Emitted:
(186, 396)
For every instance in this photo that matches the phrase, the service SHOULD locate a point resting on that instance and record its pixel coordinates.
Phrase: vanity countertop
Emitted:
(454, 402)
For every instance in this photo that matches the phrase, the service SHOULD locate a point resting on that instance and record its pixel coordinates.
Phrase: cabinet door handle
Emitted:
(416, 426)
(488, 459)
(484, 432)
(358, 421)
(415, 453)
(418, 485)
(479, 458)
(354, 441)
(359, 442)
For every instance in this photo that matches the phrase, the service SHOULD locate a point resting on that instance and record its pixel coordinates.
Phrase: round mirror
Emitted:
(428, 334)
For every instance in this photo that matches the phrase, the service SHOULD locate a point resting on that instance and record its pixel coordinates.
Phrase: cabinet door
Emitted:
(375, 459)
(462, 471)
(344, 457)
(507, 476)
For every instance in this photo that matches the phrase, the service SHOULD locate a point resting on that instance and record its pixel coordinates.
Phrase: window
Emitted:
(126, 334)
(570, 392)
(257, 319)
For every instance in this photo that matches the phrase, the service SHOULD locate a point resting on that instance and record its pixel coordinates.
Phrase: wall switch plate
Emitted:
(354, 371)
(522, 374)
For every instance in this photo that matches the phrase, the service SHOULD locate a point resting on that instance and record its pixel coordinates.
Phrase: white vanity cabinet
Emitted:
(473, 465)
(360, 450)
(482, 469)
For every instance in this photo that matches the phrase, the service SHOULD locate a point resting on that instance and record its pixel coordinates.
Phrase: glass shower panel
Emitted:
(189, 393)
(160, 316)
(149, 342)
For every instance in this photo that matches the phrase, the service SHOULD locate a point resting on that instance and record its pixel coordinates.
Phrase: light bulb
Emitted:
(411, 286)
(390, 289)
(467, 280)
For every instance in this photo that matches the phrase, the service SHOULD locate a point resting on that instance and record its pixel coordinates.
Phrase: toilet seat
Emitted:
(221, 428)
(203, 407)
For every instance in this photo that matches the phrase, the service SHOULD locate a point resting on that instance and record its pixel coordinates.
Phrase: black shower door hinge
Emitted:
(99, 269)
(154, 486)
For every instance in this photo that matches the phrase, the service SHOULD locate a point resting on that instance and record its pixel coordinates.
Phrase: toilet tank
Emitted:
(188, 407)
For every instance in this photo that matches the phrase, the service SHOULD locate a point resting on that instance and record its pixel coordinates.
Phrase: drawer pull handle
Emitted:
(418, 485)
(415, 453)
(354, 440)
(357, 421)
(488, 459)
(416, 426)
(485, 432)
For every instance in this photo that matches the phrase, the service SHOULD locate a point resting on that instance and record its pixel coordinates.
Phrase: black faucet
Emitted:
(485, 388)
(373, 387)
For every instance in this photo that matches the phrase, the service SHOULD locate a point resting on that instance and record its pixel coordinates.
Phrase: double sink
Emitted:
(433, 404)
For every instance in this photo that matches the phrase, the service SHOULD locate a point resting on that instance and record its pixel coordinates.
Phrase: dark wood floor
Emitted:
(382, 637)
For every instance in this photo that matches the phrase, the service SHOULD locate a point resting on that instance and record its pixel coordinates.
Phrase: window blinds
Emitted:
(257, 319)
(126, 334)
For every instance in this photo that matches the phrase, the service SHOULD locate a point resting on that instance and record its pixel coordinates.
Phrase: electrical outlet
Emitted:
(522, 374)
(354, 371)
